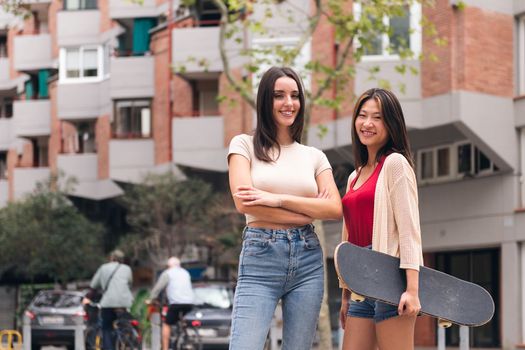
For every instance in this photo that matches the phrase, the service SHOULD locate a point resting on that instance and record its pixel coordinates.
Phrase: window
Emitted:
(205, 94)
(40, 152)
(450, 162)
(82, 63)
(3, 44)
(206, 13)
(80, 4)
(79, 137)
(6, 107)
(132, 119)
(521, 55)
(404, 32)
(3, 165)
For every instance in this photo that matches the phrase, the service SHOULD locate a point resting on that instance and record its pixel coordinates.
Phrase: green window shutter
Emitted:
(29, 90)
(43, 75)
(141, 38)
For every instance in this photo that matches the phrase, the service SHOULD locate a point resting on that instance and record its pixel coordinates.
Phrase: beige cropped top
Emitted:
(294, 172)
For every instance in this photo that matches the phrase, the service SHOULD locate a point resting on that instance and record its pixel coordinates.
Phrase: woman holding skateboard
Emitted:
(281, 186)
(380, 210)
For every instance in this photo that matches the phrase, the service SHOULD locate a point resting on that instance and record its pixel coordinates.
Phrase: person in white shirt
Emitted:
(179, 292)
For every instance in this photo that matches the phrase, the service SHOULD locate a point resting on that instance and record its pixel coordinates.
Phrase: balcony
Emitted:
(199, 143)
(84, 168)
(131, 160)
(138, 84)
(26, 179)
(131, 9)
(40, 48)
(80, 101)
(32, 118)
(200, 43)
(78, 27)
(6, 134)
(4, 193)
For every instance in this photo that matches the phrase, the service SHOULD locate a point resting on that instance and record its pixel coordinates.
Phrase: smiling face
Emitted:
(286, 103)
(370, 126)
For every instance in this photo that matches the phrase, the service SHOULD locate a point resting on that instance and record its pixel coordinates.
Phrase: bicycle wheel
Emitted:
(127, 339)
(93, 338)
(188, 339)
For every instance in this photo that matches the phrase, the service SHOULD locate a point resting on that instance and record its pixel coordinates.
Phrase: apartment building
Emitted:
(86, 88)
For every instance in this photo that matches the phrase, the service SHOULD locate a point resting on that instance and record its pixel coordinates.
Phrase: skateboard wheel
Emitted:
(356, 297)
(444, 323)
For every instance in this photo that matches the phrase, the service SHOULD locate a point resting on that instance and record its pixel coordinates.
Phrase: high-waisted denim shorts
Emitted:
(372, 309)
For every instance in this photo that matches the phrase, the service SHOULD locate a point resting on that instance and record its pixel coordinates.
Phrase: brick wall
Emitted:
(161, 101)
(436, 77)
(237, 116)
(476, 39)
(55, 140)
(323, 50)
(488, 39)
(103, 135)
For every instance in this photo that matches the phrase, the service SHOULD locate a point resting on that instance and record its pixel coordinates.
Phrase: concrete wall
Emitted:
(132, 77)
(40, 48)
(83, 100)
(32, 118)
(84, 167)
(78, 27)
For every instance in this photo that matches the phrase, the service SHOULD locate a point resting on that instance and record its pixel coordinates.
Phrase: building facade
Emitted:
(87, 89)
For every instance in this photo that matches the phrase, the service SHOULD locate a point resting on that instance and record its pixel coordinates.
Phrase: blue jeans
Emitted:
(285, 264)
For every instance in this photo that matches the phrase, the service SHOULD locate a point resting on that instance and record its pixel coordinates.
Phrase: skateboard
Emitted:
(371, 274)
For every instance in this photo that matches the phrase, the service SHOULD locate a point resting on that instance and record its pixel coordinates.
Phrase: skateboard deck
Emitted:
(377, 276)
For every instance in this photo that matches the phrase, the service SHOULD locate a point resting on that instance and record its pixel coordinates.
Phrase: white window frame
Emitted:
(521, 55)
(415, 35)
(453, 166)
(101, 70)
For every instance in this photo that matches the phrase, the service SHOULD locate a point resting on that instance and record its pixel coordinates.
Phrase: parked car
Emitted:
(53, 315)
(214, 302)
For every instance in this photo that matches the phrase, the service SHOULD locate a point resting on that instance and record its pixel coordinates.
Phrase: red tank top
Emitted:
(358, 208)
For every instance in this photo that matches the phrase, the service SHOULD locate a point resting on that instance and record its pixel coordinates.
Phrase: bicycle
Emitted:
(184, 335)
(127, 336)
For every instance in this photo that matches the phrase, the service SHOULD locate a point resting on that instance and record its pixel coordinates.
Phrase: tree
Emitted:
(169, 215)
(243, 22)
(45, 235)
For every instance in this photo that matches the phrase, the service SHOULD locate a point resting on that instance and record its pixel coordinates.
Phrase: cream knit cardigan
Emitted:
(396, 230)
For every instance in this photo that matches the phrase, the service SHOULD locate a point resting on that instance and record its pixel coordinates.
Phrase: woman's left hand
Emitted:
(409, 304)
(253, 196)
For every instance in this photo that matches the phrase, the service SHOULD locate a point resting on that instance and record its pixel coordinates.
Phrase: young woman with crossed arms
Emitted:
(281, 186)
(381, 211)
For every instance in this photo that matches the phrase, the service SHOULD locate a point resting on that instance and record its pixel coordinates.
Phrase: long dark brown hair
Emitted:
(265, 136)
(395, 125)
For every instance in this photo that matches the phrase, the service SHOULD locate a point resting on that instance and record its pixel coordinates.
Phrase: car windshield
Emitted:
(216, 296)
(60, 300)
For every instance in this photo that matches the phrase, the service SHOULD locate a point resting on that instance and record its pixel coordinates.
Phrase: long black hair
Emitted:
(265, 136)
(395, 125)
